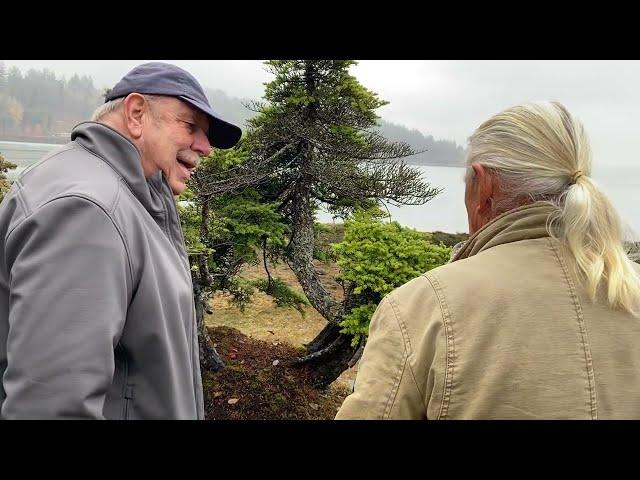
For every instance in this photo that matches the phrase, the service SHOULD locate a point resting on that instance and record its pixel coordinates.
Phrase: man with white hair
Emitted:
(537, 316)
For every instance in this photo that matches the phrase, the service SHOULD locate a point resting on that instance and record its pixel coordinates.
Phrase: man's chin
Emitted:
(177, 188)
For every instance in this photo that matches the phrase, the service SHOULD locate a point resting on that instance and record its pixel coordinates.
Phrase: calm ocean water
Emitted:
(446, 212)
(24, 154)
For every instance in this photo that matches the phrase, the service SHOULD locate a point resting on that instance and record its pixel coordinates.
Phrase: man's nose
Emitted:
(201, 143)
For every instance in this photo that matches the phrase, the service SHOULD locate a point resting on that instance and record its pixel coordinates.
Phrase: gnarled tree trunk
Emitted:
(209, 357)
(330, 353)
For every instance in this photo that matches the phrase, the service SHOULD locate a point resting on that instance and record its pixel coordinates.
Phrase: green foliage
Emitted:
(283, 295)
(5, 166)
(238, 225)
(377, 257)
(249, 222)
(356, 322)
(190, 219)
(633, 250)
(238, 221)
(241, 291)
(325, 235)
(220, 161)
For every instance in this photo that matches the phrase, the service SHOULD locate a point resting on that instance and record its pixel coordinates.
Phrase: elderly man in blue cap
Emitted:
(96, 308)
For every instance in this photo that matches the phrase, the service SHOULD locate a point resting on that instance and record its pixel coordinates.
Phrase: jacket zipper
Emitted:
(172, 210)
(127, 393)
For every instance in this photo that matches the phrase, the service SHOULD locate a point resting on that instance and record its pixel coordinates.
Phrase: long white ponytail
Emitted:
(539, 151)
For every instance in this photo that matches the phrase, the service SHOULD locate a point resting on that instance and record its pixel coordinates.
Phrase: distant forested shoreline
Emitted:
(39, 107)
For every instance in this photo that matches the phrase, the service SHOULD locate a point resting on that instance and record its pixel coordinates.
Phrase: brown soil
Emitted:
(250, 341)
(258, 383)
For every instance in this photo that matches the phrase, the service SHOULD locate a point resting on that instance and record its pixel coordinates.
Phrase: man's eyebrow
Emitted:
(200, 117)
(187, 115)
(195, 117)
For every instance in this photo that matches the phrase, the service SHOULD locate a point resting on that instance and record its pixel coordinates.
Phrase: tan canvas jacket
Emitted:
(504, 331)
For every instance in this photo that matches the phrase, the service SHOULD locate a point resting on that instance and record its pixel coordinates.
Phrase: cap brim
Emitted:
(222, 134)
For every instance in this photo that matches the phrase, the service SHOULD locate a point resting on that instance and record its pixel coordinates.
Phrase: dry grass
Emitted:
(263, 320)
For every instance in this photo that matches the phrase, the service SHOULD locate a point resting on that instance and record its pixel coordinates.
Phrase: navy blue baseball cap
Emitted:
(157, 78)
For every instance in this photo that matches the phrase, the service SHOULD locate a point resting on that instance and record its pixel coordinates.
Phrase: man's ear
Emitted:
(485, 189)
(135, 107)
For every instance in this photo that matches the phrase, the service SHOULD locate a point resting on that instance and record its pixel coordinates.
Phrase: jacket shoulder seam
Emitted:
(584, 337)
(120, 179)
(64, 149)
(396, 383)
(97, 204)
(116, 198)
(21, 201)
(409, 351)
(449, 370)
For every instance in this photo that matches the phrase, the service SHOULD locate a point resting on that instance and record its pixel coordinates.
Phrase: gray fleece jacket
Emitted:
(96, 306)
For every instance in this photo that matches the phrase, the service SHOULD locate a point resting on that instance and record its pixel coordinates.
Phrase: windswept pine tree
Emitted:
(315, 139)
(226, 224)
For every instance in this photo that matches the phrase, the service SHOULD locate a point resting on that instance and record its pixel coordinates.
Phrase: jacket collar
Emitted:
(522, 223)
(124, 157)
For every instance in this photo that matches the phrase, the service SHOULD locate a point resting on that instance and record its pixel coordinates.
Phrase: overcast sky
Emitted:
(446, 99)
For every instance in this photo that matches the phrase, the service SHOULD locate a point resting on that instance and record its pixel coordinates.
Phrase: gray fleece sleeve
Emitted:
(70, 284)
